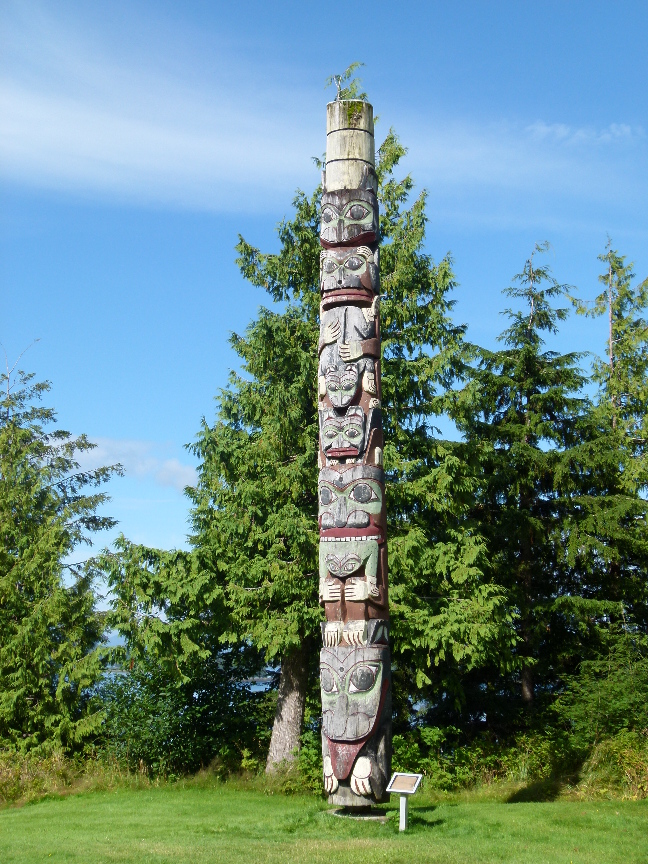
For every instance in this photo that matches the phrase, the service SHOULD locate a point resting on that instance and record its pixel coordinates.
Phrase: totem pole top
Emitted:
(350, 149)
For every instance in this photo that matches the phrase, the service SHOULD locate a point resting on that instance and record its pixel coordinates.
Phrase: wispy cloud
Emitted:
(141, 459)
(73, 117)
(84, 114)
(563, 134)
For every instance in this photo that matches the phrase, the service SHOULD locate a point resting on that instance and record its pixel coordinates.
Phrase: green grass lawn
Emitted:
(223, 823)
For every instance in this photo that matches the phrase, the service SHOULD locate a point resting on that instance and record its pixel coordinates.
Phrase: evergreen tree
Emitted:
(255, 506)
(252, 572)
(49, 629)
(622, 377)
(524, 415)
(604, 540)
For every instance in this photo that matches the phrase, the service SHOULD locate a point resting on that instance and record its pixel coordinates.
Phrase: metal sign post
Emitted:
(404, 785)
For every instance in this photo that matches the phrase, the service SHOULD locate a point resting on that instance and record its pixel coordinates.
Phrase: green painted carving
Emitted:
(344, 560)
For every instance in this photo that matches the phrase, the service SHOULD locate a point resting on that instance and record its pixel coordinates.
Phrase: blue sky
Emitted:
(137, 139)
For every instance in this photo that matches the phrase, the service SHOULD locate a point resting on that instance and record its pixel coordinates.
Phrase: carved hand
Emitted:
(369, 382)
(356, 589)
(350, 351)
(330, 591)
(331, 333)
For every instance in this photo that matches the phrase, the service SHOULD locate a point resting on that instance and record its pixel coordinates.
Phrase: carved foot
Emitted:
(330, 780)
(355, 633)
(360, 776)
(332, 634)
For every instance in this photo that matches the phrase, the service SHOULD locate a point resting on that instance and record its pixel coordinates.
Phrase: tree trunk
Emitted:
(527, 685)
(289, 716)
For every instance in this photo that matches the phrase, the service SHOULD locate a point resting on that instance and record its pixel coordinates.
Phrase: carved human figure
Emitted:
(353, 575)
(356, 709)
(348, 569)
(349, 274)
(348, 333)
(343, 382)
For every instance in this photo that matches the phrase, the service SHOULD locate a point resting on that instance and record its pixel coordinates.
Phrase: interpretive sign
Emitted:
(404, 785)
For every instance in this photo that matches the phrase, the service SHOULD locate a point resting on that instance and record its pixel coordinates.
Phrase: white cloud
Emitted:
(564, 134)
(142, 460)
(75, 118)
(196, 124)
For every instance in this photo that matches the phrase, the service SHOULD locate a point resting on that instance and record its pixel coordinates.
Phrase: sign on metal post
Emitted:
(404, 785)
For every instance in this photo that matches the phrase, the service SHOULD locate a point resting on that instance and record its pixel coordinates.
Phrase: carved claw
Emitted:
(355, 633)
(360, 776)
(332, 634)
(330, 780)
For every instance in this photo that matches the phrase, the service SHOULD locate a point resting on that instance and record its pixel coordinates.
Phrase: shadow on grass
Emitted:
(537, 791)
(417, 817)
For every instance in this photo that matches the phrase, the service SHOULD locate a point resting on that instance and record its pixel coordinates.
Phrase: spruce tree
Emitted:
(50, 632)
(252, 573)
(604, 540)
(524, 411)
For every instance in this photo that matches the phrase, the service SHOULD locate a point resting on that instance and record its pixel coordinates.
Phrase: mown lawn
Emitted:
(221, 823)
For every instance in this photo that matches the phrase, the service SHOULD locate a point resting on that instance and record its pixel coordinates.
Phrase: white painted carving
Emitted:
(330, 780)
(360, 776)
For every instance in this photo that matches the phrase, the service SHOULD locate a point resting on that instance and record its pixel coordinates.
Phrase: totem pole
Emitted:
(355, 670)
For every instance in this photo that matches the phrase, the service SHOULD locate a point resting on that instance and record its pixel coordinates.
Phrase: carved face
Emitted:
(350, 502)
(351, 681)
(347, 555)
(350, 268)
(342, 437)
(349, 217)
(342, 383)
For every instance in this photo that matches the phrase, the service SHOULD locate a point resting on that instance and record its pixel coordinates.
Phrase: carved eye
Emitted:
(352, 433)
(328, 215)
(362, 679)
(363, 493)
(327, 681)
(354, 263)
(350, 566)
(330, 265)
(326, 496)
(330, 432)
(357, 212)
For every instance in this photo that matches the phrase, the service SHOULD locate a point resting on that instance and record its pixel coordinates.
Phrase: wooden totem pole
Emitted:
(355, 670)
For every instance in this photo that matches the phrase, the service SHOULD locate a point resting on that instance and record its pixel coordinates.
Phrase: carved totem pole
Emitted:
(355, 669)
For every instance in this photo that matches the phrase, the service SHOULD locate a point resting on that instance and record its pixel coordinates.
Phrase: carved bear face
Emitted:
(349, 217)
(352, 499)
(351, 681)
